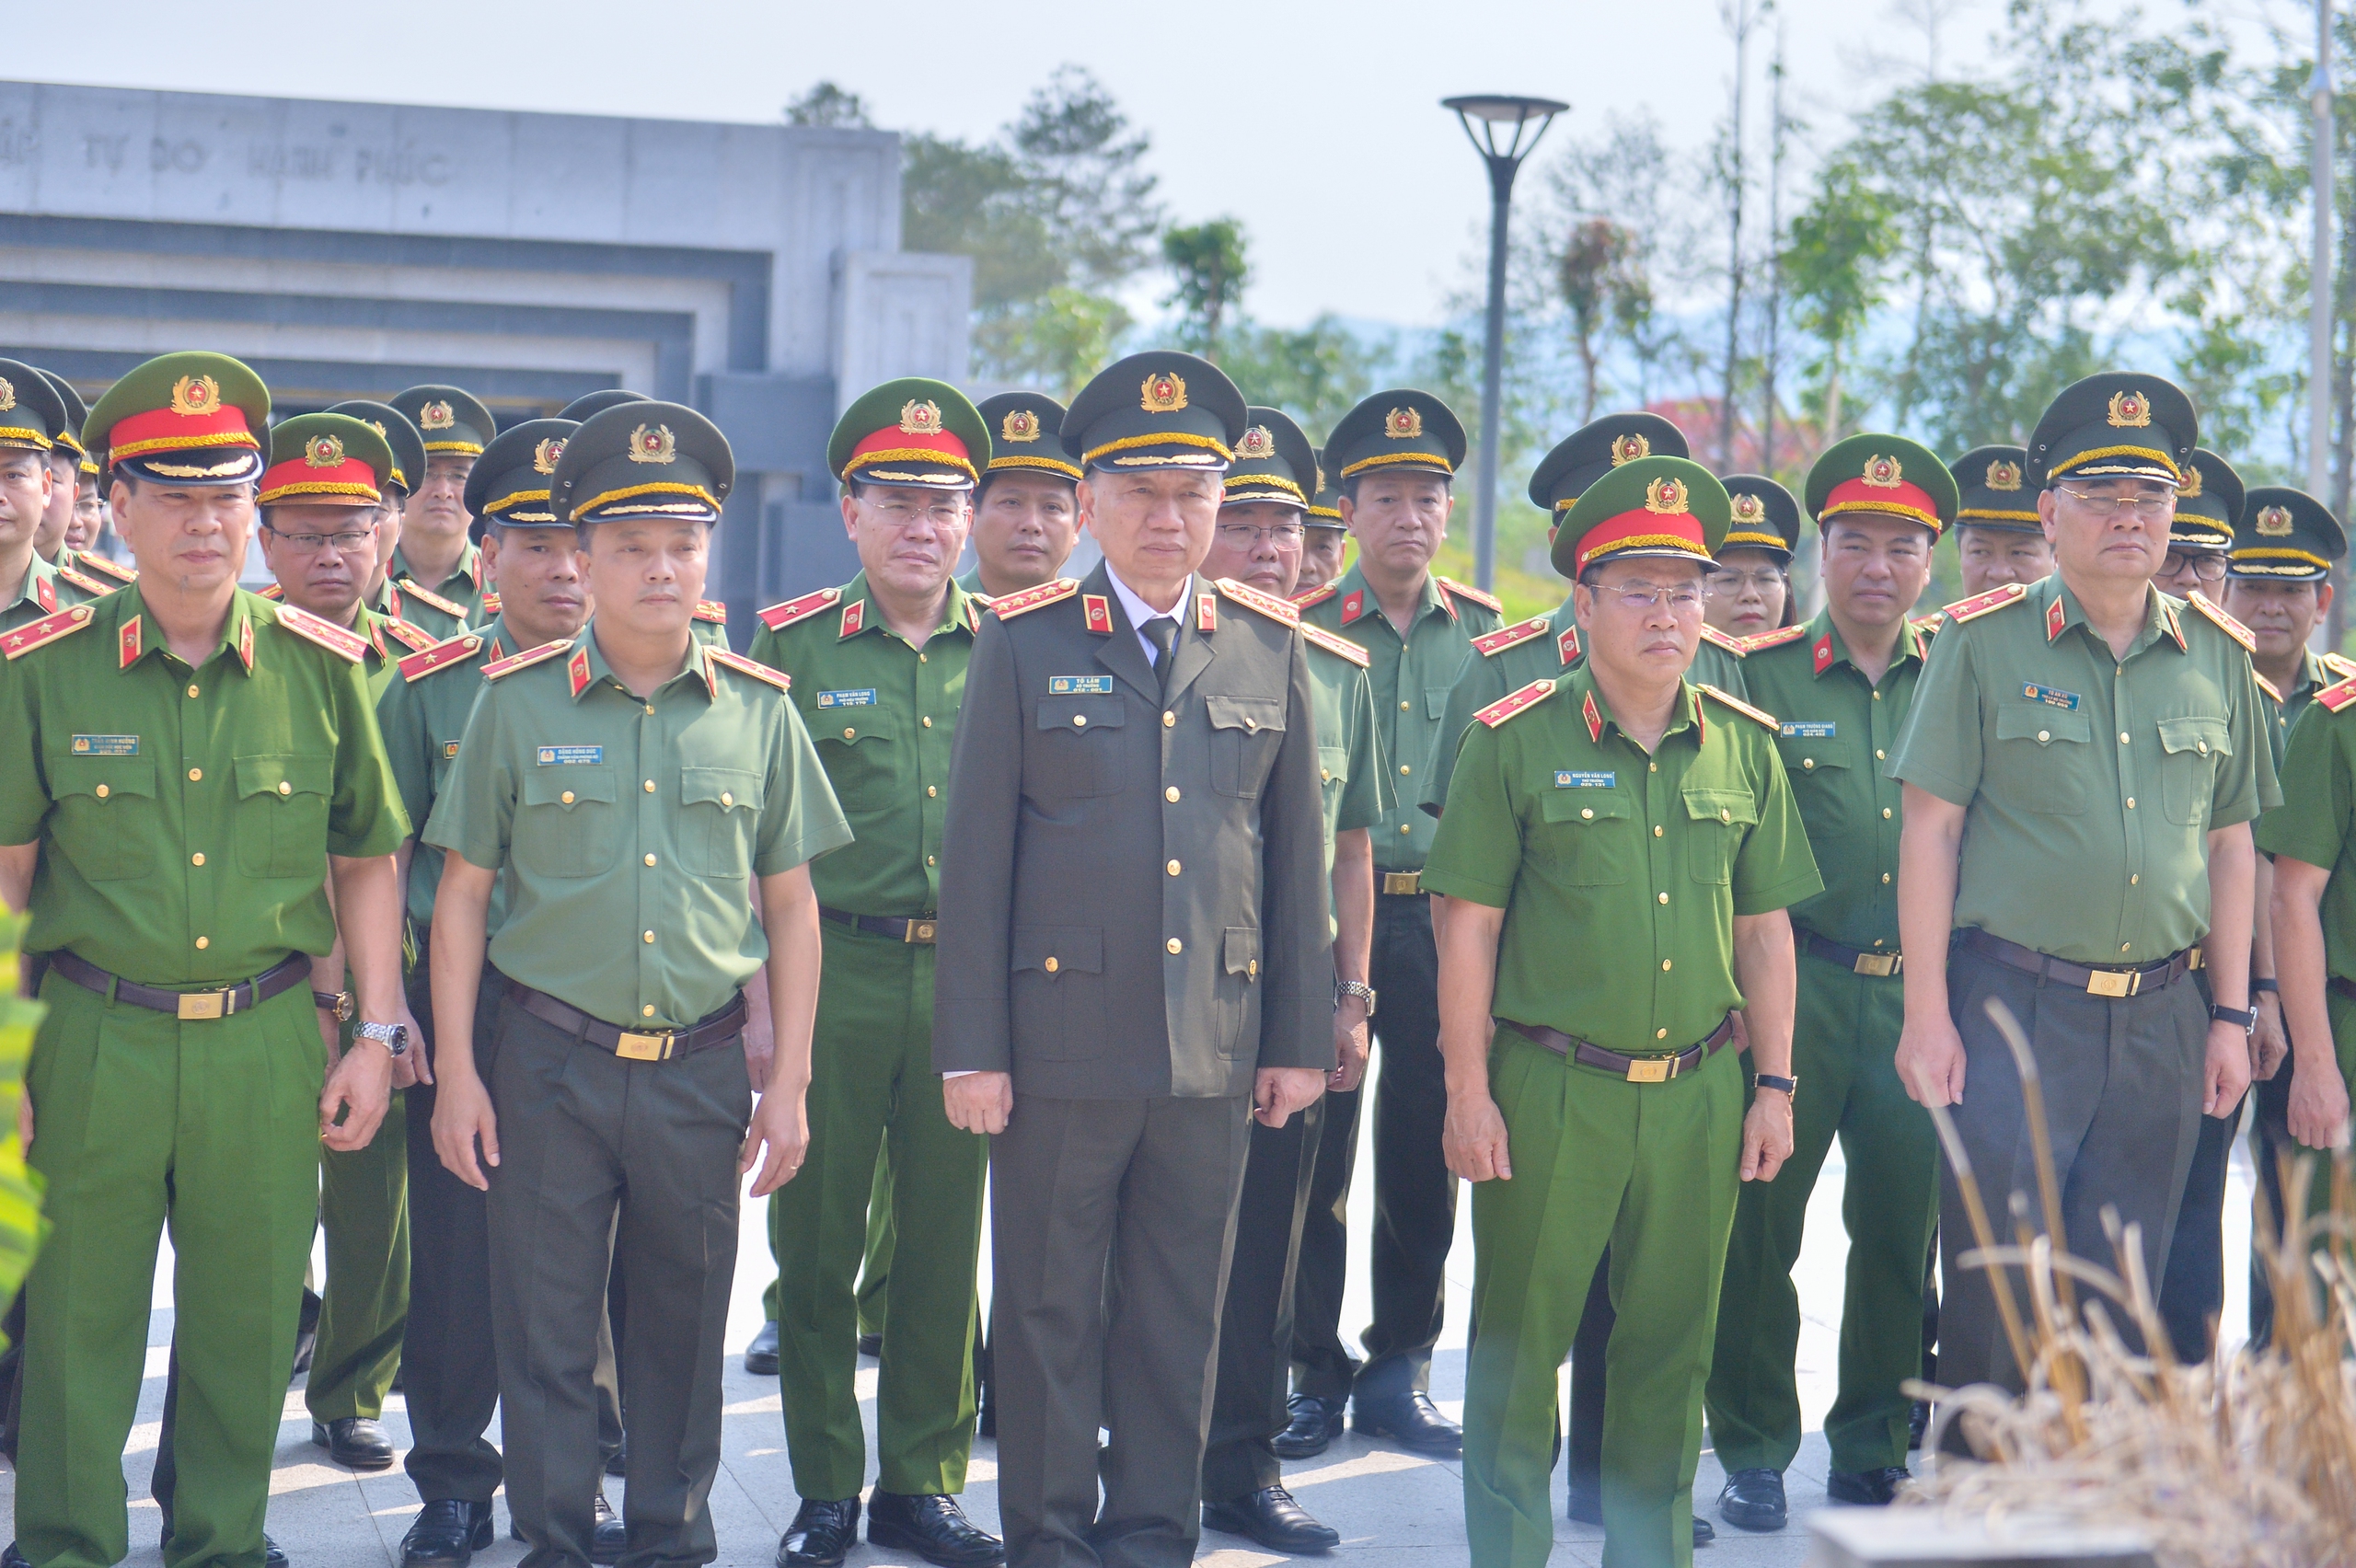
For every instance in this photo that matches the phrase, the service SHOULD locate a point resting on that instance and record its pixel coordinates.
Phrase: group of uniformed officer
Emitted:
(1096, 895)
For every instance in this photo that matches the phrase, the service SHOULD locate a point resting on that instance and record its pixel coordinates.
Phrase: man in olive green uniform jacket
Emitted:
(31, 587)
(2083, 760)
(181, 764)
(1132, 951)
(1026, 517)
(1840, 685)
(443, 599)
(1618, 851)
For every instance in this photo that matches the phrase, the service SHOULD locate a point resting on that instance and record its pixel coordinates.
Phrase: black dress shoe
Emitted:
(820, 1534)
(12, 1558)
(1586, 1508)
(617, 1462)
(1271, 1517)
(354, 1442)
(1412, 1422)
(446, 1534)
(933, 1527)
(1753, 1500)
(1871, 1489)
(871, 1345)
(1315, 1423)
(1705, 1532)
(272, 1554)
(607, 1534)
(760, 1356)
(1918, 1425)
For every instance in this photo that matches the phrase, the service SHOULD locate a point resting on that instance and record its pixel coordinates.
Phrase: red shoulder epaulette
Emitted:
(777, 617)
(44, 631)
(1774, 639)
(108, 565)
(1478, 595)
(2226, 623)
(753, 667)
(440, 656)
(1930, 623)
(326, 633)
(1979, 605)
(525, 660)
(1497, 642)
(1269, 604)
(2338, 664)
(2267, 687)
(1314, 596)
(1010, 605)
(1733, 645)
(273, 593)
(415, 637)
(1739, 706)
(89, 586)
(1506, 707)
(1340, 647)
(2333, 698)
(711, 610)
(447, 606)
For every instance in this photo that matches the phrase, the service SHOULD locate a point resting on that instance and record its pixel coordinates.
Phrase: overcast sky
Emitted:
(1318, 125)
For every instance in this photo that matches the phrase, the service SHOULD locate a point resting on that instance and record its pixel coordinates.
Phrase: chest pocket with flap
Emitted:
(1588, 839)
(2042, 750)
(283, 815)
(2195, 749)
(1079, 746)
(720, 817)
(860, 748)
(1246, 733)
(106, 822)
(1717, 821)
(568, 825)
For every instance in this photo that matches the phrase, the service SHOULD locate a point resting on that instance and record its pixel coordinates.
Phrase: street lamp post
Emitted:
(1508, 117)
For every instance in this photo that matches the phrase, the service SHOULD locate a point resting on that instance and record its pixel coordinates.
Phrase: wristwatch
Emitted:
(393, 1037)
(1357, 988)
(340, 1003)
(2262, 983)
(2246, 1018)
(1790, 1086)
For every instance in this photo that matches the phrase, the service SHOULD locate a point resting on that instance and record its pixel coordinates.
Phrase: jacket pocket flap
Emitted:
(1585, 805)
(104, 776)
(730, 789)
(568, 786)
(1249, 713)
(848, 726)
(1083, 713)
(1243, 952)
(1054, 949)
(2042, 724)
(1722, 806)
(2199, 735)
(1332, 761)
(278, 775)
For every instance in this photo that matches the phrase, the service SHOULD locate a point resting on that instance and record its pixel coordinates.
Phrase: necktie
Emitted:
(1163, 632)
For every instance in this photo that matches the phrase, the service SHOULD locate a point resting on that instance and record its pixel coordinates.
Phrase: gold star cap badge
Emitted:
(656, 445)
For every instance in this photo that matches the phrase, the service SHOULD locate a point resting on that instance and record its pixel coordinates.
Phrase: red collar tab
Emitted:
(1097, 611)
(1823, 654)
(1700, 727)
(1567, 645)
(1205, 612)
(45, 595)
(129, 644)
(1594, 719)
(1353, 605)
(246, 643)
(2175, 627)
(854, 617)
(2056, 617)
(576, 669)
(777, 617)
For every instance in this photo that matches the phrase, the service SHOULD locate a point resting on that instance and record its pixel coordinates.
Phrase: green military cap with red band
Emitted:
(1648, 506)
(181, 419)
(914, 431)
(1888, 475)
(326, 460)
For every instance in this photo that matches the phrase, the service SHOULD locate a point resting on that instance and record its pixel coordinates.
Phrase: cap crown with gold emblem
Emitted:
(400, 434)
(2120, 424)
(68, 435)
(641, 460)
(183, 419)
(1993, 485)
(1325, 501)
(2207, 504)
(1027, 436)
(914, 431)
(512, 479)
(1158, 409)
(453, 421)
(590, 404)
(1595, 449)
(1762, 515)
(32, 416)
(1886, 473)
(2286, 535)
(1274, 462)
(326, 460)
(1399, 430)
(1648, 506)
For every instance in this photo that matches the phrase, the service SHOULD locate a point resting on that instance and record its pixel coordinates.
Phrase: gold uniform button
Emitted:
(203, 942)
(1880, 755)
(566, 797)
(1325, 776)
(284, 787)
(1726, 815)
(928, 861)
(1170, 793)
(2043, 736)
(926, 721)
(197, 858)
(931, 792)
(2130, 802)
(1664, 965)
(1407, 827)
(1808, 764)
(191, 691)
(1660, 1033)
(2200, 746)
(921, 659)
(1885, 814)
(1587, 813)
(649, 937)
(1051, 965)
(2123, 737)
(650, 708)
(1079, 721)
(1664, 898)
(1656, 830)
(650, 786)
(102, 791)
(1405, 769)
(1175, 945)
(2135, 881)
(728, 800)
(646, 1011)
(649, 859)
(1169, 720)
(2124, 946)
(1403, 705)
(1885, 877)
(1174, 867)
(1876, 697)
(195, 774)
(1655, 767)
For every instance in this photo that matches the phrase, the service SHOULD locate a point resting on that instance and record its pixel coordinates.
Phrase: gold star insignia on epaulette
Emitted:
(1774, 639)
(44, 631)
(1252, 598)
(440, 656)
(2335, 698)
(1979, 605)
(449, 607)
(1030, 599)
(2226, 623)
(777, 617)
(1496, 642)
(1339, 646)
(340, 641)
(1520, 701)
(1758, 715)
(1478, 595)
(744, 666)
(499, 668)
(1717, 639)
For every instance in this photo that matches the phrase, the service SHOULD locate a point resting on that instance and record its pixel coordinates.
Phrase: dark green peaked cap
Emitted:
(1648, 506)
(1762, 515)
(327, 460)
(32, 416)
(511, 481)
(1401, 429)
(642, 460)
(399, 433)
(1888, 474)
(2285, 535)
(2207, 504)
(1325, 505)
(69, 434)
(1595, 449)
(453, 421)
(2120, 424)
(913, 431)
(183, 418)
(1026, 432)
(598, 402)
(1273, 462)
(1993, 482)
(1157, 409)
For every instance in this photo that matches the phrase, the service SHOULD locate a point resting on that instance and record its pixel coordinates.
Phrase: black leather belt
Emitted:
(918, 929)
(2112, 983)
(1403, 884)
(1636, 1069)
(636, 1045)
(284, 976)
(1861, 960)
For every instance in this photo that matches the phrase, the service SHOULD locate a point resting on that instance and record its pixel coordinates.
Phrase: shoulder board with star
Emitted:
(1496, 642)
(1929, 625)
(447, 606)
(335, 639)
(711, 610)
(1979, 605)
(1759, 715)
(1314, 596)
(2337, 664)
(2334, 698)
(1774, 639)
(1008, 605)
(728, 659)
(440, 656)
(107, 565)
(525, 660)
(415, 637)
(44, 631)
(273, 593)
(1478, 595)
(777, 617)
(2267, 687)
(2224, 623)
(90, 585)
(1734, 645)
(1521, 701)
(1340, 646)
(1269, 604)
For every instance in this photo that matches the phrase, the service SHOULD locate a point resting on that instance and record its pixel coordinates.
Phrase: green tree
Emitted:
(1600, 287)
(1055, 342)
(979, 201)
(829, 105)
(1091, 187)
(1208, 266)
(1316, 372)
(1832, 266)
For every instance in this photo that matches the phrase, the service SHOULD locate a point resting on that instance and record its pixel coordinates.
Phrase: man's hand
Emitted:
(2272, 1043)
(760, 1037)
(1277, 1093)
(1351, 1045)
(2228, 1072)
(462, 1114)
(360, 1087)
(978, 1102)
(1766, 1135)
(1472, 1140)
(1930, 1063)
(2319, 1109)
(782, 1123)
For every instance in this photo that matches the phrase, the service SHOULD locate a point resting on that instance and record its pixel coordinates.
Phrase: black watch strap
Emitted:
(2244, 1018)
(1790, 1086)
(2265, 984)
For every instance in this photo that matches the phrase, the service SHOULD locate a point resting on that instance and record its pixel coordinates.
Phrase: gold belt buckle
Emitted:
(644, 1047)
(1879, 964)
(2114, 983)
(1402, 882)
(2195, 958)
(1652, 1069)
(205, 1004)
(918, 931)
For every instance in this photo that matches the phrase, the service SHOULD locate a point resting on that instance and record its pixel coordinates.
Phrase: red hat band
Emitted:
(1899, 500)
(298, 479)
(1643, 529)
(162, 430)
(898, 443)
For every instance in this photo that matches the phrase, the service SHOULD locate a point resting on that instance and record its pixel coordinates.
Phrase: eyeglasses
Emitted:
(2206, 567)
(1244, 536)
(901, 514)
(1730, 583)
(2143, 508)
(312, 544)
(1636, 597)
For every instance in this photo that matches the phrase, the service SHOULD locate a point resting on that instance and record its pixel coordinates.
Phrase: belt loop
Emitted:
(112, 981)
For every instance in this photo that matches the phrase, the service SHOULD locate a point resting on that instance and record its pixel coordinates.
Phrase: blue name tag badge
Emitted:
(1567, 778)
(864, 697)
(559, 757)
(106, 745)
(2052, 696)
(1074, 686)
(1808, 728)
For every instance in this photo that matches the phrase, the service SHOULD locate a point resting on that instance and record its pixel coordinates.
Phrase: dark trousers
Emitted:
(1110, 1225)
(2193, 1292)
(1321, 1364)
(1415, 1195)
(611, 1163)
(1255, 1329)
(2122, 1087)
(2269, 1143)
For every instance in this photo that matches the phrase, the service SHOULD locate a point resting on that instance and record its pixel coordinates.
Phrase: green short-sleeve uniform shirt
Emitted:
(429, 604)
(1621, 873)
(2089, 783)
(185, 816)
(2314, 675)
(883, 715)
(629, 829)
(1350, 772)
(2317, 822)
(1411, 677)
(41, 594)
